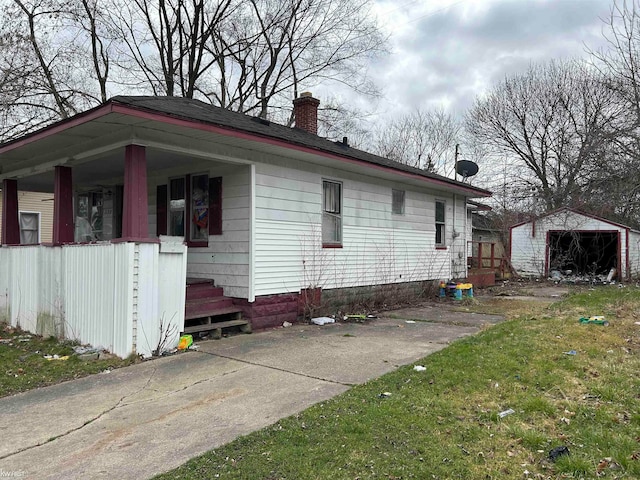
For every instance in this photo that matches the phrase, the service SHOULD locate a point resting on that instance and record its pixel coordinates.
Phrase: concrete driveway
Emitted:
(146, 419)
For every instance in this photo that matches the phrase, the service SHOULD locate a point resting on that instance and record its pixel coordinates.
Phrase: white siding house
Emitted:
(265, 211)
(378, 247)
(571, 240)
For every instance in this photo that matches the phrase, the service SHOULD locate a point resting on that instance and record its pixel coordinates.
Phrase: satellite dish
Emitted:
(466, 168)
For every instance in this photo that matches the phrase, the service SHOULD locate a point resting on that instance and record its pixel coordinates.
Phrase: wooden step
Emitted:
(213, 312)
(197, 281)
(204, 307)
(201, 290)
(216, 327)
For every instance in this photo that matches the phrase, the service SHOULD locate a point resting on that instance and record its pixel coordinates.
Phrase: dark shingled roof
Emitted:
(190, 109)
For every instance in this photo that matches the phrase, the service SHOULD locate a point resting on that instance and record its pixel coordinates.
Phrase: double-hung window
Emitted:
(440, 223)
(331, 213)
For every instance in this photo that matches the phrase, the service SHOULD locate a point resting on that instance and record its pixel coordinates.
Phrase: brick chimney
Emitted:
(305, 112)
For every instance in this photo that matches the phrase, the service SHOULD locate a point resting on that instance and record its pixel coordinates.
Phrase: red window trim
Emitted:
(162, 209)
(331, 245)
(196, 243)
(187, 210)
(441, 247)
(215, 206)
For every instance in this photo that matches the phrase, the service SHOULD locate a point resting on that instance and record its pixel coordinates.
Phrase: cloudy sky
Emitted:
(445, 52)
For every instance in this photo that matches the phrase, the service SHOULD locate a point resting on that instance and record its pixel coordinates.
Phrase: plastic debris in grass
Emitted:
(594, 320)
(507, 412)
(56, 357)
(286, 324)
(570, 352)
(322, 320)
(384, 395)
(558, 452)
(360, 317)
(420, 368)
(81, 350)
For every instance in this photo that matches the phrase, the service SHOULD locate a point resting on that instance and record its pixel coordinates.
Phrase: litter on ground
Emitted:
(322, 320)
(504, 413)
(594, 320)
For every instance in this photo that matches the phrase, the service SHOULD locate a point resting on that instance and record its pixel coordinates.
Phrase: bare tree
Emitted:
(17, 112)
(423, 139)
(90, 16)
(619, 64)
(56, 55)
(268, 49)
(164, 43)
(39, 18)
(249, 56)
(339, 121)
(620, 59)
(554, 123)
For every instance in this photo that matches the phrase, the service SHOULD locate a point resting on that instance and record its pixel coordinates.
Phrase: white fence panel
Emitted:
(5, 274)
(50, 292)
(95, 303)
(24, 298)
(172, 270)
(146, 304)
(109, 295)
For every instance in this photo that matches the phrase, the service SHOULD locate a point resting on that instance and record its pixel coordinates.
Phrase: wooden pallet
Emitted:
(217, 327)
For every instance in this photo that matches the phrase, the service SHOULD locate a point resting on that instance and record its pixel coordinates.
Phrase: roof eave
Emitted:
(112, 106)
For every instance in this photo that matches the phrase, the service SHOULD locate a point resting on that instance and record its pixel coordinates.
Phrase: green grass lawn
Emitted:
(23, 365)
(444, 424)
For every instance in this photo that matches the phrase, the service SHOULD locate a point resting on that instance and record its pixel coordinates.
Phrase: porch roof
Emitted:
(92, 133)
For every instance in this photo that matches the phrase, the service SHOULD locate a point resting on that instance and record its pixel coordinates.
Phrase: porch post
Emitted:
(63, 206)
(10, 222)
(135, 210)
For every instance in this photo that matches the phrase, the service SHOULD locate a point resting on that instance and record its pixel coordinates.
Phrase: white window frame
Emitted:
(400, 195)
(332, 215)
(442, 223)
(28, 212)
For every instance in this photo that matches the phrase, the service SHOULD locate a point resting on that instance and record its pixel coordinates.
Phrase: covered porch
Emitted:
(138, 208)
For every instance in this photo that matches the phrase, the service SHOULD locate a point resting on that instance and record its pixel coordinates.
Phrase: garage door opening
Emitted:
(583, 253)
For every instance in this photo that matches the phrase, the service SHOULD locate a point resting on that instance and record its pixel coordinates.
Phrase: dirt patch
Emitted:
(535, 291)
(447, 314)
